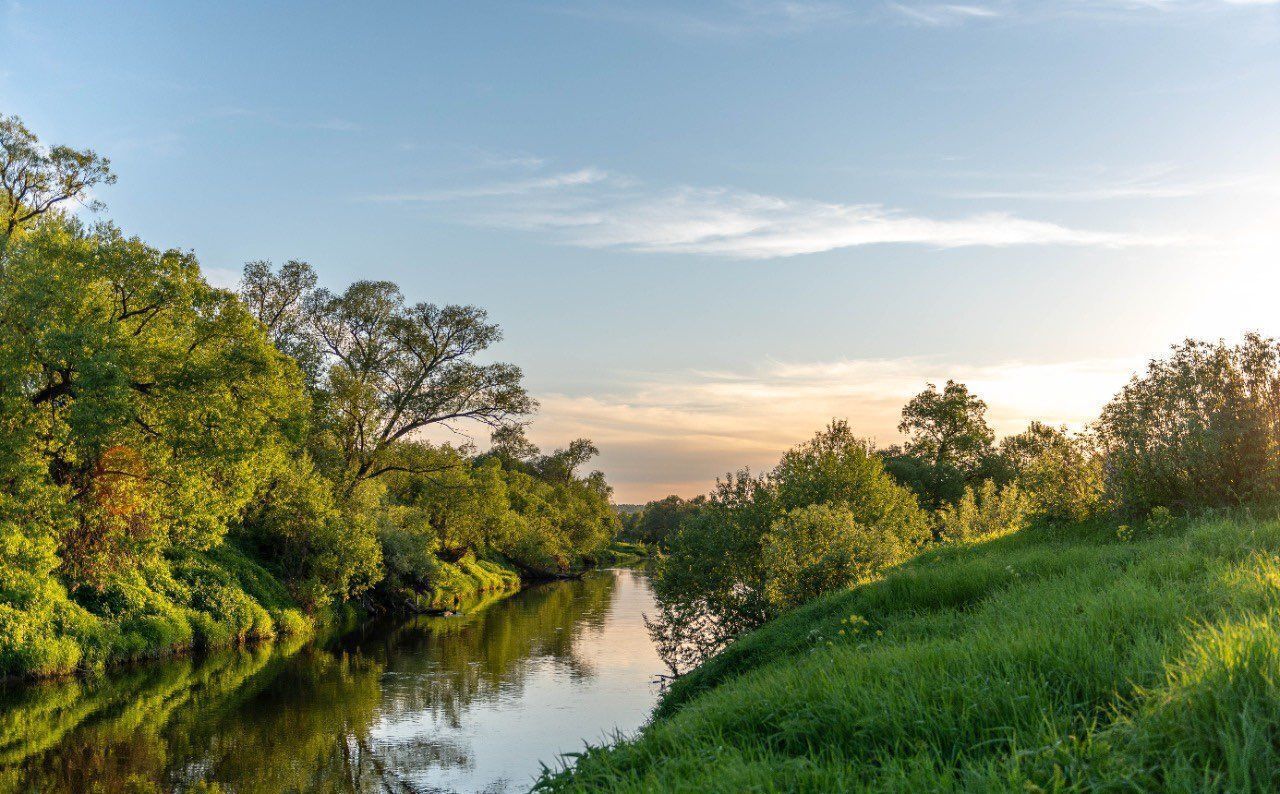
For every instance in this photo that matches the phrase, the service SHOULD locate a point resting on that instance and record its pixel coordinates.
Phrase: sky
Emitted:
(709, 228)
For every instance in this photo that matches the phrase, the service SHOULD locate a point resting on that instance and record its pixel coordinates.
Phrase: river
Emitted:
(472, 703)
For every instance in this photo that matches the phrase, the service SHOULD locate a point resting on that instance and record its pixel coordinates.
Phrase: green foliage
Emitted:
(1060, 476)
(323, 552)
(658, 521)
(948, 445)
(984, 512)
(184, 466)
(391, 369)
(816, 549)
(717, 579)
(947, 426)
(144, 394)
(1029, 662)
(1197, 430)
(35, 179)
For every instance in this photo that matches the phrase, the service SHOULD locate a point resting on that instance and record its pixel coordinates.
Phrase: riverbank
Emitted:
(472, 702)
(215, 600)
(1090, 657)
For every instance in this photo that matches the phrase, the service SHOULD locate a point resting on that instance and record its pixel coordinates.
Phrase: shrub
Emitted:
(1060, 476)
(1197, 430)
(813, 550)
(718, 579)
(986, 512)
(322, 552)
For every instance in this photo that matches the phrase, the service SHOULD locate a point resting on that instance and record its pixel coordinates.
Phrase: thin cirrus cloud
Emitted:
(1155, 185)
(676, 432)
(591, 208)
(738, 18)
(582, 176)
(944, 14)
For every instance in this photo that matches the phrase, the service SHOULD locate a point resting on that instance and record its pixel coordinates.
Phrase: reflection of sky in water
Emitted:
(566, 691)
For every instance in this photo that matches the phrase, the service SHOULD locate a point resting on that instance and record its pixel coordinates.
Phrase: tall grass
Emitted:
(1056, 661)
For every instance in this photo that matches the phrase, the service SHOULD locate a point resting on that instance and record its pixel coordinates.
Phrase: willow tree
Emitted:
(35, 179)
(151, 402)
(385, 369)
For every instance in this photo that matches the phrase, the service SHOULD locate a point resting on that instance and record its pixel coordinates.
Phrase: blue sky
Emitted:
(707, 228)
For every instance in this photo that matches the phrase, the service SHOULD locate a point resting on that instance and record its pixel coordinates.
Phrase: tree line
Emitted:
(185, 465)
(1198, 430)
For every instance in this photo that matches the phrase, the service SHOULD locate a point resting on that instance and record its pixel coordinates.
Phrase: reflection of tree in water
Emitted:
(285, 718)
(257, 720)
(443, 666)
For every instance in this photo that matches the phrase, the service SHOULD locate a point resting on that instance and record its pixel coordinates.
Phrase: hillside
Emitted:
(1097, 657)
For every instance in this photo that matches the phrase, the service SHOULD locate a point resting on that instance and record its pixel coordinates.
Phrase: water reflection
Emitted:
(469, 703)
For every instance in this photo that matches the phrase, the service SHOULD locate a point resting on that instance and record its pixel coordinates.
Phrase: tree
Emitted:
(947, 427)
(278, 299)
(562, 464)
(948, 441)
(154, 403)
(820, 548)
(1200, 428)
(510, 444)
(35, 179)
(322, 551)
(1059, 475)
(837, 467)
(660, 520)
(395, 369)
(716, 576)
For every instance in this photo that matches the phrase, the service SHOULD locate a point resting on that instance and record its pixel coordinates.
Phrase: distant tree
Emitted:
(510, 444)
(948, 444)
(659, 520)
(394, 369)
(563, 464)
(1019, 451)
(947, 427)
(1059, 475)
(717, 575)
(35, 179)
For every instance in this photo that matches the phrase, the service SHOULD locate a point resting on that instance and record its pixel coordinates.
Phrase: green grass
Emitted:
(1043, 661)
(463, 584)
(621, 552)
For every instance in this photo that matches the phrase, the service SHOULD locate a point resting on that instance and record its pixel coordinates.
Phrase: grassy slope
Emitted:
(461, 585)
(209, 599)
(1026, 662)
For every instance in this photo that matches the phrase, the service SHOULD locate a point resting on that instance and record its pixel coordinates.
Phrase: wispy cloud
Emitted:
(678, 431)
(944, 14)
(592, 208)
(719, 17)
(1151, 183)
(580, 177)
(738, 18)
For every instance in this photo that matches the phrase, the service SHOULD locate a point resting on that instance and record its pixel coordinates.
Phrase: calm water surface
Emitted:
(469, 703)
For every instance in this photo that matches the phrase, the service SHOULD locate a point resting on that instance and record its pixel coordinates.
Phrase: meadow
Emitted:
(1086, 657)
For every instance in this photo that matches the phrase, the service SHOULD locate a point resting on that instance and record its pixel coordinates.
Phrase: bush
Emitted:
(718, 579)
(1197, 430)
(984, 513)
(816, 549)
(321, 552)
